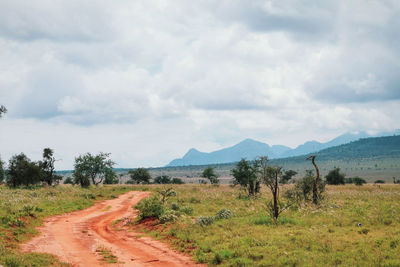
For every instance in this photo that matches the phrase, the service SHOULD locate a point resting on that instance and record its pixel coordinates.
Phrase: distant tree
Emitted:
(348, 180)
(379, 182)
(3, 110)
(49, 175)
(68, 180)
(210, 175)
(245, 174)
(2, 171)
(92, 168)
(335, 177)
(140, 175)
(22, 171)
(163, 179)
(358, 181)
(177, 181)
(111, 177)
(287, 176)
(396, 181)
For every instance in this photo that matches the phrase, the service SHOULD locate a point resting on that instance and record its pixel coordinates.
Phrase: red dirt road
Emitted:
(75, 237)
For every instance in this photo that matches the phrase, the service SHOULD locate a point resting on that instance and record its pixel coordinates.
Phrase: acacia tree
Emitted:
(140, 175)
(210, 175)
(335, 177)
(287, 176)
(22, 171)
(48, 170)
(245, 174)
(93, 169)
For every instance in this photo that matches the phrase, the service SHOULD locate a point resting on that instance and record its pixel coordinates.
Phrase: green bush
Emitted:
(188, 210)
(223, 214)
(150, 208)
(379, 182)
(205, 220)
(358, 181)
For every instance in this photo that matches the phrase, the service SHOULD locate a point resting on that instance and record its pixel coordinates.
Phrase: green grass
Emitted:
(106, 255)
(328, 235)
(21, 210)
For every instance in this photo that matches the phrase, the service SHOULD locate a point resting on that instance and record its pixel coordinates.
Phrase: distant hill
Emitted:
(250, 149)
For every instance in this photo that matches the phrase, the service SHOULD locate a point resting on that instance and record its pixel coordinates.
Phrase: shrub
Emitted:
(358, 181)
(188, 210)
(302, 191)
(379, 182)
(223, 214)
(169, 216)
(204, 220)
(175, 206)
(177, 181)
(150, 208)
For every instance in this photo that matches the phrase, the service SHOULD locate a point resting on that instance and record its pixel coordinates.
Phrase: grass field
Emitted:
(23, 209)
(328, 235)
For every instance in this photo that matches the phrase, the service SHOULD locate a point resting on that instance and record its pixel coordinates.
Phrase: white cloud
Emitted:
(147, 80)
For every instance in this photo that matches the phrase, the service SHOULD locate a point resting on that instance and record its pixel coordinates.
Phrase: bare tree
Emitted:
(315, 185)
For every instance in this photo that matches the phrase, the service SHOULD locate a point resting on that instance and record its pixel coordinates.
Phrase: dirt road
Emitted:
(77, 237)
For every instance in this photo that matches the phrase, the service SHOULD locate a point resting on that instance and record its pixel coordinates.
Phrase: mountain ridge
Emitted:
(249, 148)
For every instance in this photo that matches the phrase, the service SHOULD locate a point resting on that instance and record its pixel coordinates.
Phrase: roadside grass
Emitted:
(23, 209)
(354, 226)
(106, 255)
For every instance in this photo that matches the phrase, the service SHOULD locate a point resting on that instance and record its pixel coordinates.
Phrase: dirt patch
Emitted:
(75, 237)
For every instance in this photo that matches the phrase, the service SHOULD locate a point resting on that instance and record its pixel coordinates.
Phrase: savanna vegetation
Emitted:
(352, 226)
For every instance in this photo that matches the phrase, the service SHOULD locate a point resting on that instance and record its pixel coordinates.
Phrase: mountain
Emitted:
(251, 148)
(246, 149)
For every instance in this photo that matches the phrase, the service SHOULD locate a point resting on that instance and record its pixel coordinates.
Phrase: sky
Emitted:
(147, 80)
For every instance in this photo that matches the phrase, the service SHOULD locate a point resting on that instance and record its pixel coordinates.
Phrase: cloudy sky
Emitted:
(148, 79)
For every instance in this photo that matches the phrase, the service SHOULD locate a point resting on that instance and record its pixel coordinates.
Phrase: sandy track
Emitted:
(75, 237)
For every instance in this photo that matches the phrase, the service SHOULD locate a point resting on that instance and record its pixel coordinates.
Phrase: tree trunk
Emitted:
(315, 186)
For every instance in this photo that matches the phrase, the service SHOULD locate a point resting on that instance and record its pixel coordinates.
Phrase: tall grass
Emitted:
(353, 226)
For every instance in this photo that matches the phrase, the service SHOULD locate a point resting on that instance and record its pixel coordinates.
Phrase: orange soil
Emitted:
(74, 237)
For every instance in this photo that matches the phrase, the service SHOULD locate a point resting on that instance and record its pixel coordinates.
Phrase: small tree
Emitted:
(92, 168)
(245, 175)
(3, 110)
(335, 177)
(177, 181)
(48, 170)
(287, 176)
(210, 175)
(22, 171)
(303, 188)
(140, 175)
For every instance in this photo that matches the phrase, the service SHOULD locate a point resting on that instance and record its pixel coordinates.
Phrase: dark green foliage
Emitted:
(335, 177)
(396, 181)
(163, 179)
(287, 176)
(92, 168)
(177, 181)
(140, 176)
(245, 174)
(348, 180)
(2, 171)
(68, 180)
(150, 208)
(111, 177)
(379, 182)
(210, 175)
(49, 175)
(22, 171)
(358, 181)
